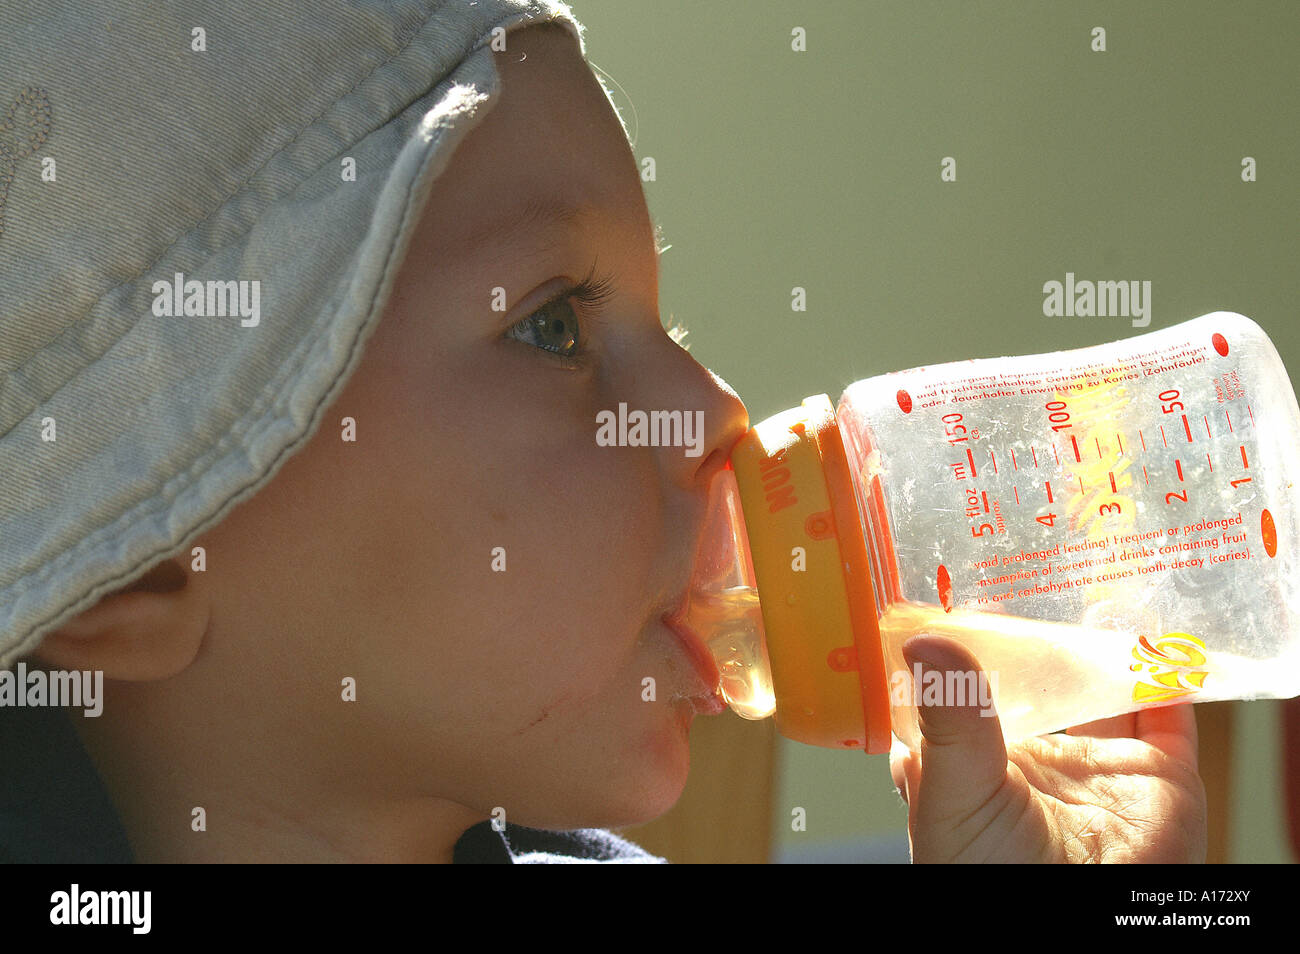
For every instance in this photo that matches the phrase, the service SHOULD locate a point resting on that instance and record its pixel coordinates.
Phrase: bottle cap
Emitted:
(818, 603)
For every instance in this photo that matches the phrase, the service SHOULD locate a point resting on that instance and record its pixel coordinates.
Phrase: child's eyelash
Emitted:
(591, 291)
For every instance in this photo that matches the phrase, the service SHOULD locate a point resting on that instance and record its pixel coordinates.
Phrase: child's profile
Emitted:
(449, 618)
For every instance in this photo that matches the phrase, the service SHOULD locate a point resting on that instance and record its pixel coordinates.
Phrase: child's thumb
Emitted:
(963, 755)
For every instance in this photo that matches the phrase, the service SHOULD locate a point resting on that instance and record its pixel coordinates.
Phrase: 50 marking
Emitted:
(1170, 404)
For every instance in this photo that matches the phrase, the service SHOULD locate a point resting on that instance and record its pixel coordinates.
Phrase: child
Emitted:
(438, 611)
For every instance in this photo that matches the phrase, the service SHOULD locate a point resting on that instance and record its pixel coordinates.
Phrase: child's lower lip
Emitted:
(707, 701)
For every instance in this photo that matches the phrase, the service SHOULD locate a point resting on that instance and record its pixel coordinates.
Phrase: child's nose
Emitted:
(717, 417)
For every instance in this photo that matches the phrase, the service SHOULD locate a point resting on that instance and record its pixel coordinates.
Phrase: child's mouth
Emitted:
(706, 697)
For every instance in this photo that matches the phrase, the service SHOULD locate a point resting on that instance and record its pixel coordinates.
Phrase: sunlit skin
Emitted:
(475, 690)
(1124, 789)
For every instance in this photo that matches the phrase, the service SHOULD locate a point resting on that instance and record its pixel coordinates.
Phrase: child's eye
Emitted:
(555, 328)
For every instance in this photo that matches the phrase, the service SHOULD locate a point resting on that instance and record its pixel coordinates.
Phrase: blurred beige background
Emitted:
(821, 169)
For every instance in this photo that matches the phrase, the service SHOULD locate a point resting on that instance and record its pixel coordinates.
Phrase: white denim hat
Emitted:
(189, 268)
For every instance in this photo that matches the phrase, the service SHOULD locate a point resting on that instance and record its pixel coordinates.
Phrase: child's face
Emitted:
(520, 689)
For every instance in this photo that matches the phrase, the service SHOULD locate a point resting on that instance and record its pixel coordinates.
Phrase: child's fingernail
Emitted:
(930, 652)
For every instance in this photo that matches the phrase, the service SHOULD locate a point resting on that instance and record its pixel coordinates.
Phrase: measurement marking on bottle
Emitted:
(1075, 444)
(995, 462)
(1210, 462)
(1080, 484)
(985, 494)
(1056, 455)
(1229, 417)
(1049, 491)
(1013, 460)
(1035, 453)
(1188, 428)
(1112, 482)
(1098, 443)
(1144, 441)
(1121, 443)
(1144, 474)
(1162, 435)
(971, 457)
(1179, 465)
(1206, 419)
(1017, 490)
(1251, 413)
(1242, 480)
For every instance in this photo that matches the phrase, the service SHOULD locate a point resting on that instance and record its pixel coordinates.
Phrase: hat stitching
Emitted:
(12, 144)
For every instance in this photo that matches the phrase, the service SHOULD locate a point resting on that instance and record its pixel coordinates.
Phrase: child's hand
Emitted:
(1124, 789)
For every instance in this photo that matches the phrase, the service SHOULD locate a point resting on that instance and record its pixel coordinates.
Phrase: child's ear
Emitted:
(149, 629)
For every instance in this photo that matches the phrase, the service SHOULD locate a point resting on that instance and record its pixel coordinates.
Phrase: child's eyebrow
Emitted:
(544, 214)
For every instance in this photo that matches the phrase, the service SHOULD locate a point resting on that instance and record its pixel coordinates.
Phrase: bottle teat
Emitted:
(722, 607)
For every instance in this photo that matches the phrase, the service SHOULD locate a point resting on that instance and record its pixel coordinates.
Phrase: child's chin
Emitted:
(652, 782)
(640, 807)
(663, 774)
(619, 803)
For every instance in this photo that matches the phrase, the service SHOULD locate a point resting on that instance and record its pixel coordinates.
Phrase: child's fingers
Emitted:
(963, 757)
(898, 769)
(1115, 727)
(899, 773)
(1171, 729)
(905, 769)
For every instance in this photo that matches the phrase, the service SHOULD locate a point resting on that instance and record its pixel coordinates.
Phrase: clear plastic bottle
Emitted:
(1107, 529)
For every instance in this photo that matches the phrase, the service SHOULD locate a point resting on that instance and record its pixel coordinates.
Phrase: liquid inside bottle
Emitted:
(1035, 673)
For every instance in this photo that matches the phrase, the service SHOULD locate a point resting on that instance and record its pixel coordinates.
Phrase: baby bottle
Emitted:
(1106, 529)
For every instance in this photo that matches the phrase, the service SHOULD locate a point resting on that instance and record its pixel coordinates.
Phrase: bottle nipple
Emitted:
(722, 606)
